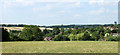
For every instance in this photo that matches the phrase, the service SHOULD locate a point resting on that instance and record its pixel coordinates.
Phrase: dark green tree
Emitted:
(62, 30)
(45, 31)
(13, 36)
(5, 35)
(76, 27)
(31, 33)
(56, 30)
(86, 36)
(68, 31)
(76, 31)
(61, 38)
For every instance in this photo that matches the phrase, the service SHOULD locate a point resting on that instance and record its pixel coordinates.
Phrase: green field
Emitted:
(60, 47)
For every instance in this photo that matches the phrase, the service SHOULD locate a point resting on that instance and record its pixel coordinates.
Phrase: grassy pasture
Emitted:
(60, 47)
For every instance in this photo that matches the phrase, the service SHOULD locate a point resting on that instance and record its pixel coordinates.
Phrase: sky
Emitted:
(57, 12)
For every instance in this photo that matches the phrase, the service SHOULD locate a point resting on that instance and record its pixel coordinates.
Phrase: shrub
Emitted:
(61, 38)
(113, 38)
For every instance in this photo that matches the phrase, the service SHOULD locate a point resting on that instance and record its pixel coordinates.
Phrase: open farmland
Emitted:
(60, 47)
(20, 28)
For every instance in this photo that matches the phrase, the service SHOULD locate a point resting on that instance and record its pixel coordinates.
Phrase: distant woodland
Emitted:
(108, 32)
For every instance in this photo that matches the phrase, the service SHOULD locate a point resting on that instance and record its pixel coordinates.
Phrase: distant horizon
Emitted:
(59, 24)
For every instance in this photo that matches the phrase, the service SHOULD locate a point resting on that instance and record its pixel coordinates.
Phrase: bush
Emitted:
(14, 36)
(61, 38)
(113, 38)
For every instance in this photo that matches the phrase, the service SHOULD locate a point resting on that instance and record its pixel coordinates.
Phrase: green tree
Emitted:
(45, 31)
(56, 30)
(101, 35)
(76, 31)
(49, 35)
(31, 33)
(86, 36)
(112, 25)
(95, 36)
(71, 37)
(14, 36)
(61, 38)
(107, 31)
(118, 31)
(91, 30)
(62, 30)
(79, 36)
(68, 31)
(5, 35)
(76, 27)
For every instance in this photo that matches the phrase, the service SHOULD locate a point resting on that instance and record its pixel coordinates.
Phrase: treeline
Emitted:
(60, 26)
(33, 33)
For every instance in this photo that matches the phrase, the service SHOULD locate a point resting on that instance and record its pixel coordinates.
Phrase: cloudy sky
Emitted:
(52, 12)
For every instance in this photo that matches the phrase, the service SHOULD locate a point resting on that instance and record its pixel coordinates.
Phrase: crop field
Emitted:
(60, 47)
(20, 28)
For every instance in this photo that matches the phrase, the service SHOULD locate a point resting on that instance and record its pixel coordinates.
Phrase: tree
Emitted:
(31, 33)
(62, 30)
(118, 31)
(49, 35)
(5, 35)
(79, 36)
(95, 36)
(86, 36)
(101, 36)
(76, 27)
(107, 31)
(76, 31)
(45, 31)
(61, 38)
(13, 36)
(68, 31)
(56, 30)
(111, 25)
(71, 37)
(91, 30)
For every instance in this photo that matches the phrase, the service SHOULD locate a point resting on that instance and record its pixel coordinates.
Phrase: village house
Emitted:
(48, 38)
(110, 28)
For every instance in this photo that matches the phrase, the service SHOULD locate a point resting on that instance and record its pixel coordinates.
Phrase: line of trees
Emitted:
(33, 33)
(60, 26)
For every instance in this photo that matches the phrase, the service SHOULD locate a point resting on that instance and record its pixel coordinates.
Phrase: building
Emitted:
(48, 38)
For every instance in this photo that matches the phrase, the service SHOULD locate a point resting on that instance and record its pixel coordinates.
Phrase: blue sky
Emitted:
(53, 12)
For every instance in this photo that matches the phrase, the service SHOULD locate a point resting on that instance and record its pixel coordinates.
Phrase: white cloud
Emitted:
(33, 2)
(103, 2)
(20, 0)
(62, 11)
(8, 4)
(97, 12)
(93, 2)
(47, 7)
(59, 6)
(77, 16)
(111, 11)
(52, 0)
(77, 3)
